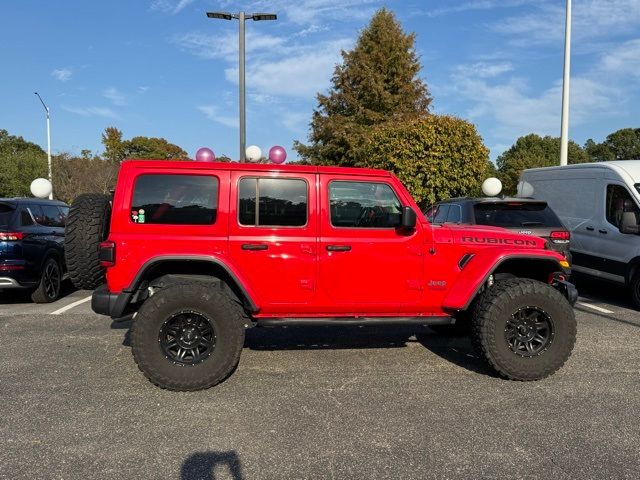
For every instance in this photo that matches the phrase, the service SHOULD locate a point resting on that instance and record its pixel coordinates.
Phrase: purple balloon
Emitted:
(205, 154)
(277, 154)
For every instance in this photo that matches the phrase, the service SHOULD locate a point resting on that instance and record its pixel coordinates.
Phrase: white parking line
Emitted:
(71, 305)
(595, 307)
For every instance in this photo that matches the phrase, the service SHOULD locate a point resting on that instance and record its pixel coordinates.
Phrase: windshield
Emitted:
(6, 212)
(515, 214)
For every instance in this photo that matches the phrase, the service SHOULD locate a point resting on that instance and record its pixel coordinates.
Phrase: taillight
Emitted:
(561, 236)
(10, 236)
(107, 254)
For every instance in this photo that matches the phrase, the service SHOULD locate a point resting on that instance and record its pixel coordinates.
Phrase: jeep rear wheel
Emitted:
(524, 329)
(87, 225)
(187, 336)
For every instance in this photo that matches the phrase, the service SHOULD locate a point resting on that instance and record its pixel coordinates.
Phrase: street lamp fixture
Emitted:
(46, 109)
(242, 17)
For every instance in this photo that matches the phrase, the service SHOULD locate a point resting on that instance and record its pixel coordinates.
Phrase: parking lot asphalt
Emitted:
(315, 402)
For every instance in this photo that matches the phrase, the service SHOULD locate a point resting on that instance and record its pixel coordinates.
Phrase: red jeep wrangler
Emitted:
(198, 252)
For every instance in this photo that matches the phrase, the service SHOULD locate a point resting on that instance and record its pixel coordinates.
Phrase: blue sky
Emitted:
(161, 68)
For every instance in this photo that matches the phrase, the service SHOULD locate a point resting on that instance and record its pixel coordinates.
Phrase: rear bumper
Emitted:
(568, 289)
(7, 282)
(104, 302)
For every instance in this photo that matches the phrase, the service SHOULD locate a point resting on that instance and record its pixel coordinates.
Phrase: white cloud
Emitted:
(475, 5)
(115, 96)
(590, 19)
(295, 121)
(142, 89)
(62, 74)
(225, 46)
(485, 69)
(170, 6)
(624, 59)
(301, 72)
(91, 111)
(212, 112)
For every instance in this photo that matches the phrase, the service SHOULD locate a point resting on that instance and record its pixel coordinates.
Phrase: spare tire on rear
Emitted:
(87, 225)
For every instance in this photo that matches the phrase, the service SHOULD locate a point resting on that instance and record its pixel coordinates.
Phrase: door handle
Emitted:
(591, 229)
(603, 231)
(338, 248)
(254, 246)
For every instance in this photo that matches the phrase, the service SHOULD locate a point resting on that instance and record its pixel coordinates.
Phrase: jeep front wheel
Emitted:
(524, 329)
(187, 337)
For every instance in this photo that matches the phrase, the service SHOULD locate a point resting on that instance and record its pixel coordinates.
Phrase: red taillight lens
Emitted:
(10, 236)
(562, 236)
(107, 254)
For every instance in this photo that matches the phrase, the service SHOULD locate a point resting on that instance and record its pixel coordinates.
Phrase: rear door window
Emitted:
(272, 202)
(455, 214)
(37, 213)
(175, 199)
(516, 214)
(25, 217)
(52, 216)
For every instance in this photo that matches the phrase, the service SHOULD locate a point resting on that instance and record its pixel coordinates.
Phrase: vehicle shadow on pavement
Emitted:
(202, 466)
(603, 291)
(18, 295)
(456, 350)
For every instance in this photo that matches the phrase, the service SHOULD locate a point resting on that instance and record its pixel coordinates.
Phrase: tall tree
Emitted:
(21, 162)
(377, 82)
(533, 151)
(435, 157)
(117, 149)
(598, 152)
(113, 145)
(624, 143)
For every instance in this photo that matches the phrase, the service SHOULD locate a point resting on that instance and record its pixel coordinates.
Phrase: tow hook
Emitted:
(559, 281)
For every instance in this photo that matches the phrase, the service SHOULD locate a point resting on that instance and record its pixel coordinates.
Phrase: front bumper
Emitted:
(104, 302)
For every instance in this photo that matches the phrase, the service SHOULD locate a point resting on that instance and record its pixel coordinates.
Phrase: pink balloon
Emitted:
(277, 154)
(205, 154)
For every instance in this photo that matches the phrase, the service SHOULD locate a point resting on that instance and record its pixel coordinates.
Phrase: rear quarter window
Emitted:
(514, 215)
(6, 214)
(175, 199)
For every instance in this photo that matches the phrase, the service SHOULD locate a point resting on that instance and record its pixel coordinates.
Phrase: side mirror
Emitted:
(629, 223)
(408, 221)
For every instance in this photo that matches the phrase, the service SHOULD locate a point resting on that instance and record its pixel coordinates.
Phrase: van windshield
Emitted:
(516, 214)
(6, 212)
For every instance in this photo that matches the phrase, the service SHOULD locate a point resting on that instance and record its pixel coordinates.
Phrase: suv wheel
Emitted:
(187, 337)
(87, 225)
(524, 329)
(48, 289)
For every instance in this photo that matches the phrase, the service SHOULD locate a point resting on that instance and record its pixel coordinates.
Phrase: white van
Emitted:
(598, 203)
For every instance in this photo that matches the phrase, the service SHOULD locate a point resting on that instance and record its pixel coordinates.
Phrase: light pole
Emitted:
(46, 109)
(241, 16)
(564, 127)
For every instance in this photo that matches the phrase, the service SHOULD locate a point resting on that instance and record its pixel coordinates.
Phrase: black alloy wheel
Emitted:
(187, 338)
(51, 279)
(529, 331)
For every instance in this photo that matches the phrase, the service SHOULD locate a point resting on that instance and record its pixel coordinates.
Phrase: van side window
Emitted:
(272, 202)
(619, 202)
(175, 199)
(363, 205)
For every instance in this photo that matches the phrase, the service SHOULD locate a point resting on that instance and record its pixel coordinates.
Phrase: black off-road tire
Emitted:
(634, 290)
(48, 289)
(87, 225)
(489, 324)
(224, 314)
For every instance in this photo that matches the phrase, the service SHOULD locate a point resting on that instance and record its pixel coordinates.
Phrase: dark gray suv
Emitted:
(521, 215)
(32, 246)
